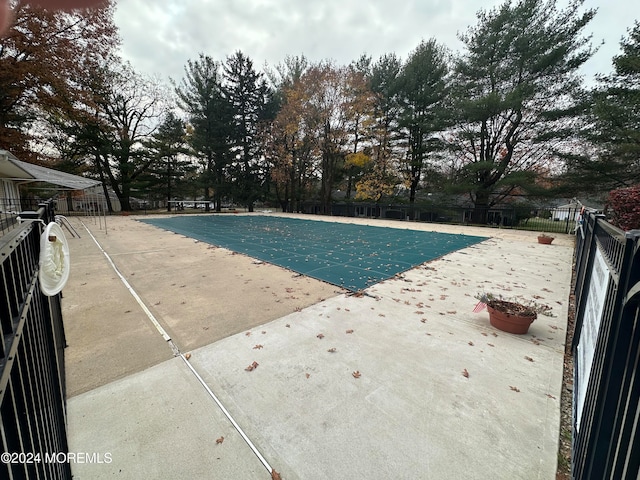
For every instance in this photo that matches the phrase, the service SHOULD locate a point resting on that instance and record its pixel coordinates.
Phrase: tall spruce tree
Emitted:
(249, 96)
(422, 92)
(210, 116)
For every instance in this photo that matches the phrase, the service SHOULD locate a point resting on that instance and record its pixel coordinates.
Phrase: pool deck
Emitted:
(402, 381)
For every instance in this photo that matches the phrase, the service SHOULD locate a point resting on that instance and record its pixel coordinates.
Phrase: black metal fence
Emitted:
(543, 219)
(11, 209)
(606, 433)
(32, 386)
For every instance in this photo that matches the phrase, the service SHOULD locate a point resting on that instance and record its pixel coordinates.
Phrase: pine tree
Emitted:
(515, 83)
(210, 119)
(249, 98)
(423, 86)
(616, 121)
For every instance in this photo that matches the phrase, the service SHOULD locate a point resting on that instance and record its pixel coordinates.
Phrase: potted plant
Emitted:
(545, 239)
(512, 315)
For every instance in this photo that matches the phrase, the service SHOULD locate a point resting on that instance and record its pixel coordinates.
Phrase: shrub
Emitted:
(624, 207)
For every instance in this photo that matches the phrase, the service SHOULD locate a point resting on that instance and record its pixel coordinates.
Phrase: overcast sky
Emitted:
(159, 36)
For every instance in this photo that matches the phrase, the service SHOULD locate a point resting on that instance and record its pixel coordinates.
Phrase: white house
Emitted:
(570, 211)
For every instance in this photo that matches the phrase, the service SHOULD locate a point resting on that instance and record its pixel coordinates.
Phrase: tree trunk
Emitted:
(169, 184)
(481, 207)
(105, 189)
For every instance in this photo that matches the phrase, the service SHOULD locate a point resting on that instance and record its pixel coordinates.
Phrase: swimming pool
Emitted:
(351, 256)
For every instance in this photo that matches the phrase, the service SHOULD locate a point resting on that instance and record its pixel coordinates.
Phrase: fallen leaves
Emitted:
(349, 331)
(275, 475)
(465, 373)
(252, 367)
(258, 347)
(529, 359)
(219, 440)
(515, 389)
(320, 336)
(332, 350)
(356, 374)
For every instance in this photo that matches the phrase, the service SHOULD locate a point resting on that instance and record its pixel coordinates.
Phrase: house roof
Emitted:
(13, 169)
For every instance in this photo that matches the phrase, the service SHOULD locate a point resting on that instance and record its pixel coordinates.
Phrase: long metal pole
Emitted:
(177, 353)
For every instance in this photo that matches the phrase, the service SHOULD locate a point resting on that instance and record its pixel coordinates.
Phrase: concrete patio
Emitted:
(404, 381)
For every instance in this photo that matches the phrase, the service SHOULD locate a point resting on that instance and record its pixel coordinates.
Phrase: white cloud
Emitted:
(159, 36)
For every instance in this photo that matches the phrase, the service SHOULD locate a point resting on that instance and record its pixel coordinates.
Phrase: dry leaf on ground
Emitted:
(258, 347)
(465, 373)
(349, 331)
(515, 389)
(320, 336)
(251, 367)
(219, 440)
(356, 374)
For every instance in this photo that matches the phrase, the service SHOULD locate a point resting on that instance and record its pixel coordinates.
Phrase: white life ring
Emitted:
(54, 260)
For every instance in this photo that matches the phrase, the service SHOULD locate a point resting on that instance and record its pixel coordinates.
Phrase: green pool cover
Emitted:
(350, 256)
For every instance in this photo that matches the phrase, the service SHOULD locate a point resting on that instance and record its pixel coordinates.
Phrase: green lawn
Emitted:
(546, 225)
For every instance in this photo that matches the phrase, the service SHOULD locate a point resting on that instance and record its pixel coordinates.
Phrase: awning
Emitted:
(13, 169)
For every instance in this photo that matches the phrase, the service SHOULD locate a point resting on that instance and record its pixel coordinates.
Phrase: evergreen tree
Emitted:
(516, 82)
(211, 120)
(382, 176)
(169, 149)
(615, 120)
(422, 91)
(248, 95)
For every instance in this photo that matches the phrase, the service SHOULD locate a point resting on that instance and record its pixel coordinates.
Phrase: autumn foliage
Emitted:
(42, 57)
(624, 207)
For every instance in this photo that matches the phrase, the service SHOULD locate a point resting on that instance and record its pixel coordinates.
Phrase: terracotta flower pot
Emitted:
(507, 322)
(545, 240)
